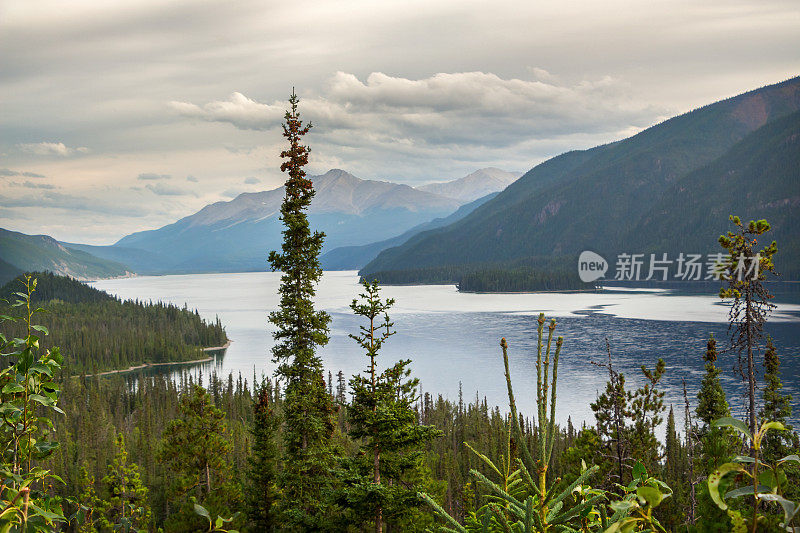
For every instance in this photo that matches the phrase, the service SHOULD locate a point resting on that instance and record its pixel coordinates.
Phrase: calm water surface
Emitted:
(454, 338)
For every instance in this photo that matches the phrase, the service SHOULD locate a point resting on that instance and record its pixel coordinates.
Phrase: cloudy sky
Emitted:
(122, 116)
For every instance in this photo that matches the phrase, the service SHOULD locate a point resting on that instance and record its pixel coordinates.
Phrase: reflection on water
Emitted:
(454, 338)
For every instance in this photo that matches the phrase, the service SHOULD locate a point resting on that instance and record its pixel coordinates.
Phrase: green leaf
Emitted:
(744, 491)
(789, 508)
(651, 495)
(743, 459)
(41, 369)
(199, 509)
(13, 388)
(715, 479)
(639, 471)
(43, 400)
(792, 457)
(40, 328)
(735, 424)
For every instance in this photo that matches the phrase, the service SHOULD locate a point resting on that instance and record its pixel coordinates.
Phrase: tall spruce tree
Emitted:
(262, 493)
(308, 408)
(389, 470)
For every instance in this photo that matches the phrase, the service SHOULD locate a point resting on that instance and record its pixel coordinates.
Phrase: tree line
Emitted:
(104, 333)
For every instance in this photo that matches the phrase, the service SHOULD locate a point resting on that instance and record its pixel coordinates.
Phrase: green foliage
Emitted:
(195, 449)
(763, 486)
(28, 400)
(262, 492)
(745, 269)
(215, 525)
(777, 407)
(126, 503)
(388, 472)
(646, 408)
(523, 500)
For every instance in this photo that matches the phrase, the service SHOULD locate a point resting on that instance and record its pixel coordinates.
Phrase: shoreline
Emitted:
(215, 348)
(169, 363)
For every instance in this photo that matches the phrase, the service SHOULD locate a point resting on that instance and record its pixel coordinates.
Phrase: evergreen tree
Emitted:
(389, 470)
(262, 493)
(90, 503)
(195, 448)
(777, 408)
(646, 414)
(308, 413)
(126, 503)
(745, 269)
(716, 444)
(610, 410)
(675, 474)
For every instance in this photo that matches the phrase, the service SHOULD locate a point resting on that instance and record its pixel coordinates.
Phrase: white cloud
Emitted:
(50, 149)
(238, 110)
(252, 180)
(461, 108)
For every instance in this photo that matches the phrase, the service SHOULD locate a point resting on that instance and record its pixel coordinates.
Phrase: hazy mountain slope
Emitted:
(135, 259)
(473, 186)
(41, 252)
(8, 272)
(355, 257)
(238, 235)
(592, 199)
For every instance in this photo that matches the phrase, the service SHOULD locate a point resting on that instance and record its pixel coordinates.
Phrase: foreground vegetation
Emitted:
(304, 453)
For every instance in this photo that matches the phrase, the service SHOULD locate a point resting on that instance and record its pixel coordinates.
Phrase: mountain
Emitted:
(41, 252)
(623, 196)
(355, 257)
(237, 235)
(758, 178)
(474, 186)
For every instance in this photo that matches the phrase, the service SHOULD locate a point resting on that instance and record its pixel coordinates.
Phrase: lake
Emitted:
(453, 338)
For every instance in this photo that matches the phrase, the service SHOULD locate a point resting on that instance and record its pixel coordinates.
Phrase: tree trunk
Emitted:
(751, 373)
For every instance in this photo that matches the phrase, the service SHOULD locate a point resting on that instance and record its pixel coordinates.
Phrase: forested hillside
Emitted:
(605, 198)
(100, 332)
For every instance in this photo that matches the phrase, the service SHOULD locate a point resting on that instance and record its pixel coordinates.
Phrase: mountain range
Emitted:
(473, 186)
(359, 217)
(669, 188)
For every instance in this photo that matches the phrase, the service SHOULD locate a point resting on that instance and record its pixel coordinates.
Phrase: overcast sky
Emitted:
(122, 116)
